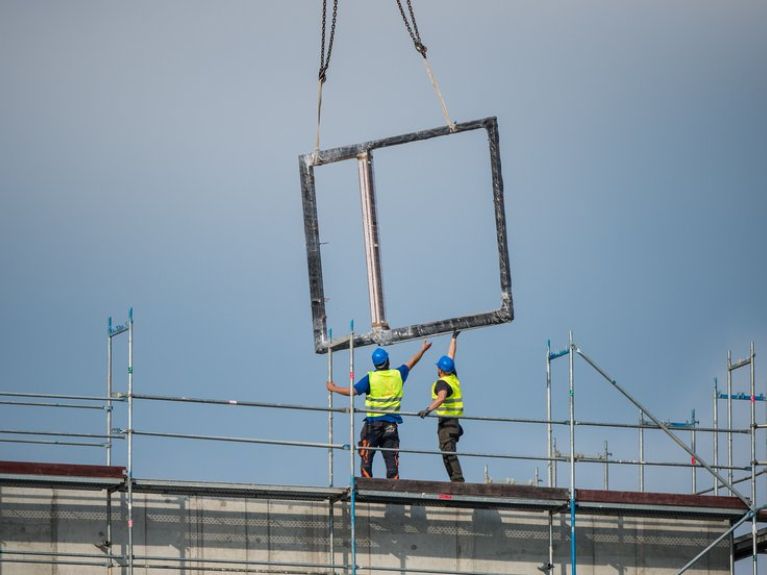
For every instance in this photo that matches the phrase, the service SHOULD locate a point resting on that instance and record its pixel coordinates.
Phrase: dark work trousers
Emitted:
(449, 430)
(379, 434)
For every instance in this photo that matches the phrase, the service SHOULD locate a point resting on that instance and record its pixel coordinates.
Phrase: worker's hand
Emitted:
(455, 333)
(425, 345)
(330, 385)
(423, 413)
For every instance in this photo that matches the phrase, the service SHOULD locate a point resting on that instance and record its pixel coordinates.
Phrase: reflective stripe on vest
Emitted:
(385, 391)
(453, 404)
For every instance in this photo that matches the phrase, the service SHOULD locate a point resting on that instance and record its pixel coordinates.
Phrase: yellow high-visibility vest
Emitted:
(385, 391)
(453, 404)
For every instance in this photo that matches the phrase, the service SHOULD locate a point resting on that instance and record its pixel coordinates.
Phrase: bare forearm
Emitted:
(453, 345)
(440, 399)
(418, 355)
(338, 389)
(436, 403)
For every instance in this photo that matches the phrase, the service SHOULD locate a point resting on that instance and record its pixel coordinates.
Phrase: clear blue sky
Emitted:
(148, 158)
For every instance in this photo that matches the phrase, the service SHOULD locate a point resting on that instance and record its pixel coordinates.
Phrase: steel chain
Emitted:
(324, 63)
(412, 30)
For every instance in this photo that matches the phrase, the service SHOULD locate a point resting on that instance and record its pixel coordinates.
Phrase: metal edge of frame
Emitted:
(307, 162)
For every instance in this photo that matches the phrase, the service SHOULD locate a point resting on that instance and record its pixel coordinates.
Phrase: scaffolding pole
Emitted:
(755, 555)
(729, 416)
(716, 435)
(331, 523)
(352, 452)
(571, 348)
(130, 442)
(641, 452)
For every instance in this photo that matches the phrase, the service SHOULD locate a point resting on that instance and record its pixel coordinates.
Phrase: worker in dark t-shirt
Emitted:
(447, 399)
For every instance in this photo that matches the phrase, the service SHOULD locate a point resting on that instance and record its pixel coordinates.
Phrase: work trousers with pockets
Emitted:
(449, 431)
(379, 434)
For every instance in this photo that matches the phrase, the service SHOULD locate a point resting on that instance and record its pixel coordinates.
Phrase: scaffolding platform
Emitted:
(494, 495)
(373, 490)
(63, 475)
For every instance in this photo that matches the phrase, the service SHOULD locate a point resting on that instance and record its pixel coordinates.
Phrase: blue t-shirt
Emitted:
(363, 386)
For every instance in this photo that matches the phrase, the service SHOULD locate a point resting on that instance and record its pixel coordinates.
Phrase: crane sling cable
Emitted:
(324, 63)
(415, 35)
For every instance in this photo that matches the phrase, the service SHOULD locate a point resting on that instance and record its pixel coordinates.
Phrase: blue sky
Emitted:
(148, 159)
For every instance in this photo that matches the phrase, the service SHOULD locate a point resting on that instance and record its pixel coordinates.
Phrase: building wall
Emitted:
(401, 537)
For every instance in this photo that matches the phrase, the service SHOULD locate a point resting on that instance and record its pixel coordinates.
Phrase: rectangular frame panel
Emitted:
(307, 163)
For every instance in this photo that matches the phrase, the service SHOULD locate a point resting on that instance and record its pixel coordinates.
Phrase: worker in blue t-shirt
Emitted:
(383, 393)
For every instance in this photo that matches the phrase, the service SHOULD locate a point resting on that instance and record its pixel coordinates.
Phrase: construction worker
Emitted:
(447, 399)
(383, 391)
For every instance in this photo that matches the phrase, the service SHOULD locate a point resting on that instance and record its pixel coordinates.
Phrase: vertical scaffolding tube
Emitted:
(606, 471)
(729, 418)
(549, 431)
(551, 542)
(694, 463)
(352, 452)
(130, 442)
(641, 451)
(331, 525)
(109, 392)
(755, 556)
(109, 441)
(330, 411)
(370, 232)
(110, 561)
(572, 458)
(716, 434)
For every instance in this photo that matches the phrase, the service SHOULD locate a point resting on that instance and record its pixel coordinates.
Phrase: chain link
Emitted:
(325, 62)
(412, 29)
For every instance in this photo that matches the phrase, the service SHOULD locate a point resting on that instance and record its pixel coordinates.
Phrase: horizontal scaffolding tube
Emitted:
(61, 554)
(241, 440)
(563, 457)
(742, 396)
(416, 451)
(53, 442)
(739, 364)
(70, 405)
(57, 434)
(235, 402)
(242, 403)
(56, 396)
(52, 562)
(245, 403)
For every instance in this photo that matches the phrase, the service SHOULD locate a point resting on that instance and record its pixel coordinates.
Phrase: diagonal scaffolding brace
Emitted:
(664, 427)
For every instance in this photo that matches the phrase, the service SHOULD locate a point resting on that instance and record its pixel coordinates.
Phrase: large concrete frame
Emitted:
(381, 334)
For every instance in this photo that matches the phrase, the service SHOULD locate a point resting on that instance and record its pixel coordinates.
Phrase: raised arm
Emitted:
(419, 354)
(453, 344)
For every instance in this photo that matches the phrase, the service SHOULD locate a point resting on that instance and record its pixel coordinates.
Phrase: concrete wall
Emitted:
(396, 536)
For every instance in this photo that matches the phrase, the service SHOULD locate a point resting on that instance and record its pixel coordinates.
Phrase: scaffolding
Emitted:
(552, 499)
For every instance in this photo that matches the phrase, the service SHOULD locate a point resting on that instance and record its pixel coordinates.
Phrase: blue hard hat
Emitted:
(380, 357)
(446, 364)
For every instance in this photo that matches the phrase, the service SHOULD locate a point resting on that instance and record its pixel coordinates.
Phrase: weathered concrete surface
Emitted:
(403, 537)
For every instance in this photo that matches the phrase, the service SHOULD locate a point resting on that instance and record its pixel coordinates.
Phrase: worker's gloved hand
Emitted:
(423, 413)
(456, 332)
